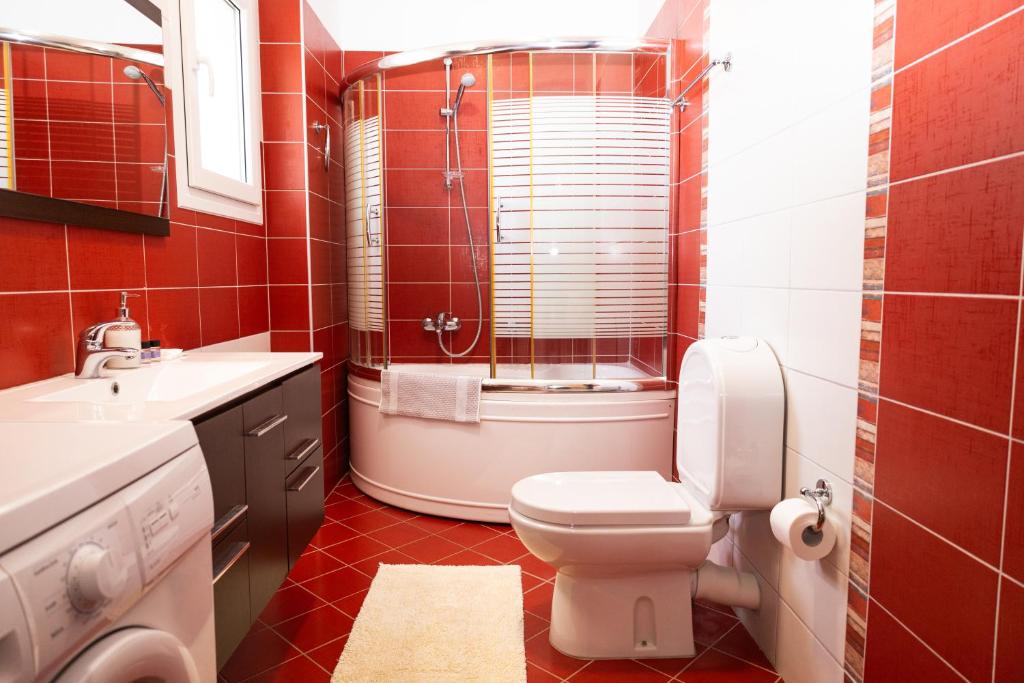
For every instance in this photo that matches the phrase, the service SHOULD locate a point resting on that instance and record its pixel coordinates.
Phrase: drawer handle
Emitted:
(228, 521)
(308, 478)
(261, 429)
(307, 447)
(223, 567)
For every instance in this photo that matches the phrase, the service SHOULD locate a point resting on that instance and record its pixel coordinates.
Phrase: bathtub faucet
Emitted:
(444, 322)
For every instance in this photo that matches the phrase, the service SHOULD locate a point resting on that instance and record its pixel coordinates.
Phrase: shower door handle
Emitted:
(497, 218)
(372, 211)
(326, 151)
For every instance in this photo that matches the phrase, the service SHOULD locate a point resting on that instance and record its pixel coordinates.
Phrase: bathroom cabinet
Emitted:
(265, 459)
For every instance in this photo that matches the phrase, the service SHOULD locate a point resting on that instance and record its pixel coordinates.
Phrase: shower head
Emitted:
(468, 80)
(135, 73)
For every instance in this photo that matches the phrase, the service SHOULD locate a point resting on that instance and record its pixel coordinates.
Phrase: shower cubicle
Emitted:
(507, 212)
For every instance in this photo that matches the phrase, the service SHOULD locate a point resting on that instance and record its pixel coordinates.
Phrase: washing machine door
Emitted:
(133, 655)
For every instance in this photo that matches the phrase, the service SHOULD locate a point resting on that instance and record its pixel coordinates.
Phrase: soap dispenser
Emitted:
(125, 335)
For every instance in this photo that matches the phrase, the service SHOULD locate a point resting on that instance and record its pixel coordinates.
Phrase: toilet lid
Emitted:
(600, 499)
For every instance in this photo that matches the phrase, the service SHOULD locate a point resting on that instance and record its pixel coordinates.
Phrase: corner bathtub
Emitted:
(526, 427)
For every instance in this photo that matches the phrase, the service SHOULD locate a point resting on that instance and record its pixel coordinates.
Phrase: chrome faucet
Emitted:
(92, 355)
(444, 322)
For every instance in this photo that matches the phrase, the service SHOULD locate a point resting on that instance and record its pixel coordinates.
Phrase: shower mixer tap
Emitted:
(444, 322)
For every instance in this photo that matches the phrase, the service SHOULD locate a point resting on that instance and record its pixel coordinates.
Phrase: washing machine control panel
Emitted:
(80, 576)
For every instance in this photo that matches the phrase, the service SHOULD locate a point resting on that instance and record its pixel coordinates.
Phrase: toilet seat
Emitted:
(601, 499)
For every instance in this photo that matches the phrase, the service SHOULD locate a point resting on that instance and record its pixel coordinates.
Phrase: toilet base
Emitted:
(635, 616)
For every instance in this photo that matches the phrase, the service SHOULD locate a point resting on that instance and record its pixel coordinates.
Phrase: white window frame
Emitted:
(199, 188)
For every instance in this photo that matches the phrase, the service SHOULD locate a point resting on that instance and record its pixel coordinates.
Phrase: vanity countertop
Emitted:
(179, 389)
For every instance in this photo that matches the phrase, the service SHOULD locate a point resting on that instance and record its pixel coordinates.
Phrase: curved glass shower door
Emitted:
(565, 168)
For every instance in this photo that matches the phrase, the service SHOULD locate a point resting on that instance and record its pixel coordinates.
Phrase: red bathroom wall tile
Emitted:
(552, 72)
(172, 261)
(280, 21)
(414, 149)
(82, 141)
(925, 26)
(138, 143)
(289, 341)
(289, 307)
(134, 103)
(28, 61)
(690, 33)
(315, 85)
(33, 256)
(689, 204)
(285, 213)
(218, 307)
(417, 301)
(957, 232)
(463, 263)
(320, 262)
(68, 101)
(33, 176)
(89, 308)
(174, 317)
(479, 220)
(138, 185)
(321, 300)
(427, 76)
(29, 99)
(282, 117)
(935, 454)
(251, 256)
(950, 355)
(83, 180)
(63, 65)
(687, 310)
(965, 85)
(894, 654)
(614, 73)
(318, 178)
(412, 110)
(35, 339)
(1009, 658)
(473, 148)
(216, 258)
(33, 139)
(319, 217)
(409, 340)
(281, 68)
(253, 310)
(1013, 543)
(418, 264)
(688, 258)
(356, 58)
(287, 261)
(414, 188)
(284, 166)
(103, 259)
(583, 73)
(323, 342)
(918, 594)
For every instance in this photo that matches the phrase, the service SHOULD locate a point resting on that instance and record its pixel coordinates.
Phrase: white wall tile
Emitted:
(766, 315)
(824, 334)
(801, 471)
(830, 150)
(816, 592)
(762, 623)
(821, 421)
(724, 311)
(827, 244)
(752, 532)
(800, 657)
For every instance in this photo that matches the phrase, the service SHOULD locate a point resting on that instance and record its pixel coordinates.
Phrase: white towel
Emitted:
(434, 397)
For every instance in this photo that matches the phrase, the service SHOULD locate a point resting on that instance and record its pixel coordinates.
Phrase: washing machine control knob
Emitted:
(94, 577)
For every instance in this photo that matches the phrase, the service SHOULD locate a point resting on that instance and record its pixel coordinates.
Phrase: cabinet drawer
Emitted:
(231, 610)
(264, 474)
(302, 431)
(305, 491)
(220, 438)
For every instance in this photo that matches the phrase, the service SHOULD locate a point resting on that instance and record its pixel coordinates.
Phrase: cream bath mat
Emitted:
(438, 624)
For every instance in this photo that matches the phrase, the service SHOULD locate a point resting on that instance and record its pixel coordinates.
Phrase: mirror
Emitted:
(83, 122)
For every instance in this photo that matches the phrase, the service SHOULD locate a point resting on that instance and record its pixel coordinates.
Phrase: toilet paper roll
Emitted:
(793, 523)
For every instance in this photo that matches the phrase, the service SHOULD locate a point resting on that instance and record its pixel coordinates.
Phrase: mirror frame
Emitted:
(27, 206)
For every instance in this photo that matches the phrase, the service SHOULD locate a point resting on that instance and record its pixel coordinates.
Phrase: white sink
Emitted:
(172, 381)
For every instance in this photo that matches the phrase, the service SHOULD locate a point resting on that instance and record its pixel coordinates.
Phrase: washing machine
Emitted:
(105, 567)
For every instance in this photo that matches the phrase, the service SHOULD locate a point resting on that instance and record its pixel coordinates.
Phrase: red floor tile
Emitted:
(315, 628)
(289, 601)
(312, 565)
(334, 532)
(371, 521)
(310, 616)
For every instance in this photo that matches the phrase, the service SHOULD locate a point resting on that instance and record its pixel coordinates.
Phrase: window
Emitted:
(213, 62)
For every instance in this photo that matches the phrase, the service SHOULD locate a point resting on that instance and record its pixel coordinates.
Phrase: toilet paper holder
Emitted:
(821, 496)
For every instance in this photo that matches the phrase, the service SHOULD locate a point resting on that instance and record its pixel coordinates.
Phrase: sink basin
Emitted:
(172, 381)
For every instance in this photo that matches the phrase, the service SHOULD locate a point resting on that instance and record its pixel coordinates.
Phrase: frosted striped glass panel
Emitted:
(6, 129)
(363, 224)
(581, 194)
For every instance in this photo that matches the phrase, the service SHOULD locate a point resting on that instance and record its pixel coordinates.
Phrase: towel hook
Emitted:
(821, 496)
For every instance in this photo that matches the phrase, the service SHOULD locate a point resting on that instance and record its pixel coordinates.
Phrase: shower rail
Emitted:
(89, 47)
(430, 54)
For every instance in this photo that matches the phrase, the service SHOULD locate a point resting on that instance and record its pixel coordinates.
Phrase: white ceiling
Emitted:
(395, 25)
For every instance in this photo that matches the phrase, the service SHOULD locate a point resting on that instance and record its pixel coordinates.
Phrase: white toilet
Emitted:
(631, 548)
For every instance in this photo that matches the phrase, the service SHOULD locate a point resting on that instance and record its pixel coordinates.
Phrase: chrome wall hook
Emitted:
(821, 496)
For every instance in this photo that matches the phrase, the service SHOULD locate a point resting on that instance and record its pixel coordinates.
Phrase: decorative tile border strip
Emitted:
(875, 221)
